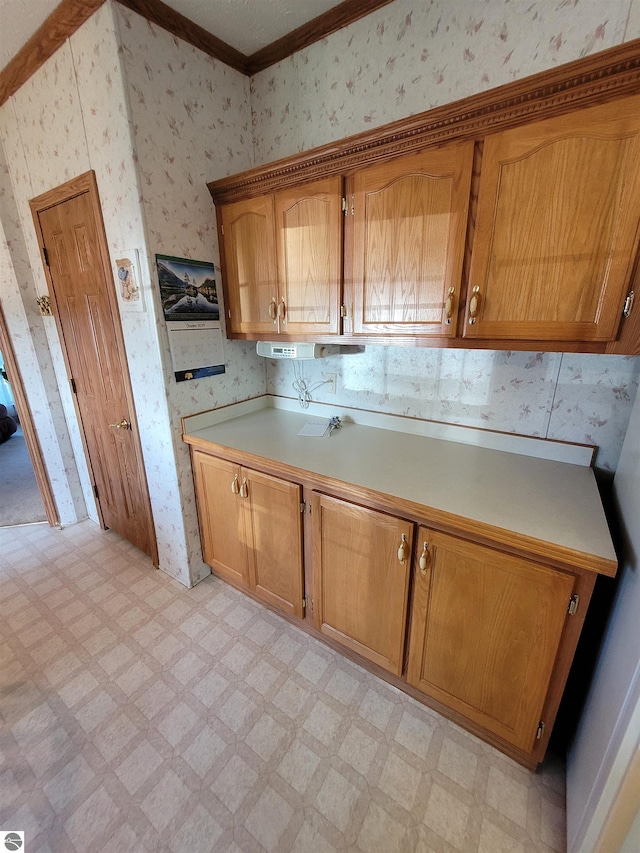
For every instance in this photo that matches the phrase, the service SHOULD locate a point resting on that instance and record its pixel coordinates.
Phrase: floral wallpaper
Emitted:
(579, 398)
(190, 119)
(29, 343)
(157, 119)
(402, 59)
(410, 56)
(33, 337)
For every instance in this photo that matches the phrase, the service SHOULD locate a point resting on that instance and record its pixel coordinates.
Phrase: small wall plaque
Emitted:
(128, 281)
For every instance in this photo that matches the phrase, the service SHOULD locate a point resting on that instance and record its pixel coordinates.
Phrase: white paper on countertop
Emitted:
(315, 428)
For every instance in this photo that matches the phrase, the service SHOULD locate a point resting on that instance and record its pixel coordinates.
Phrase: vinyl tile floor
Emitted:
(138, 715)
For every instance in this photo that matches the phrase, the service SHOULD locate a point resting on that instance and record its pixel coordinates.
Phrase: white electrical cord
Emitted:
(301, 387)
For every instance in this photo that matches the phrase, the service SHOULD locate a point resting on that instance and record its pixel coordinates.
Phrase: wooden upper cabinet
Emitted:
(485, 632)
(360, 585)
(249, 253)
(309, 240)
(410, 220)
(557, 227)
(283, 261)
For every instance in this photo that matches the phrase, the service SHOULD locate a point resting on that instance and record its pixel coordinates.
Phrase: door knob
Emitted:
(124, 424)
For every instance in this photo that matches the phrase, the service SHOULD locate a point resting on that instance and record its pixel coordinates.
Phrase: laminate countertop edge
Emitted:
(549, 509)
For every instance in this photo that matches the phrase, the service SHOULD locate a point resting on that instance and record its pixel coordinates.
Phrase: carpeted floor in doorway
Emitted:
(20, 501)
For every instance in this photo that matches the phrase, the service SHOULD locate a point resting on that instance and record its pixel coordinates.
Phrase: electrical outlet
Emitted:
(330, 382)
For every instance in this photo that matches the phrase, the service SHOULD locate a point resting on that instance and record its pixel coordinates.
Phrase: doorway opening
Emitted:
(20, 500)
(21, 462)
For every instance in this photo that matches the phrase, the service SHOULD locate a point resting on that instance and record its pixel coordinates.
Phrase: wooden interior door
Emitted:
(410, 220)
(69, 224)
(222, 519)
(309, 233)
(249, 257)
(557, 227)
(360, 585)
(485, 632)
(275, 555)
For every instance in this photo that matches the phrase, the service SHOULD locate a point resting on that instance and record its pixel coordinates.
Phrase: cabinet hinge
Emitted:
(222, 230)
(303, 506)
(46, 256)
(304, 603)
(540, 730)
(574, 601)
(229, 314)
(95, 491)
(343, 311)
(73, 386)
(628, 304)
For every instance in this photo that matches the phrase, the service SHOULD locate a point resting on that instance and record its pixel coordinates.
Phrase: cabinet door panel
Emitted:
(409, 234)
(309, 228)
(485, 632)
(224, 538)
(275, 555)
(556, 229)
(250, 264)
(360, 586)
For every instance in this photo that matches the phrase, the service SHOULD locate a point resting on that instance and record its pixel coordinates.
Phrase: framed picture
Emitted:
(128, 281)
(187, 289)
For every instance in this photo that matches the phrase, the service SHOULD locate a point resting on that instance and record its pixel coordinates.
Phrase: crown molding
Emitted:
(319, 28)
(178, 25)
(52, 34)
(601, 77)
(71, 14)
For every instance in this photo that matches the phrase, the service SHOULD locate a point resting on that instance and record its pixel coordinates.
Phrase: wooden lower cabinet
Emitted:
(361, 570)
(251, 529)
(486, 635)
(485, 632)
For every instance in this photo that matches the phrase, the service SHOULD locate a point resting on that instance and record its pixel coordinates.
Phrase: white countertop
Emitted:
(552, 503)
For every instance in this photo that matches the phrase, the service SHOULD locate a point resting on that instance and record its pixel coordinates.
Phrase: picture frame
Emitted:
(188, 289)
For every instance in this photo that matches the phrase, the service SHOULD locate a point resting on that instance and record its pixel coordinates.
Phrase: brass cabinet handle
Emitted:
(402, 549)
(282, 311)
(244, 488)
(628, 304)
(448, 306)
(235, 486)
(273, 310)
(474, 305)
(424, 559)
(124, 424)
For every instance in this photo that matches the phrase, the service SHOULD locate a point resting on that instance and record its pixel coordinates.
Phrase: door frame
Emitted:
(27, 424)
(86, 183)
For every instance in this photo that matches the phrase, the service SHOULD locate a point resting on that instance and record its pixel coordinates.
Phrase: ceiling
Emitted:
(246, 25)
